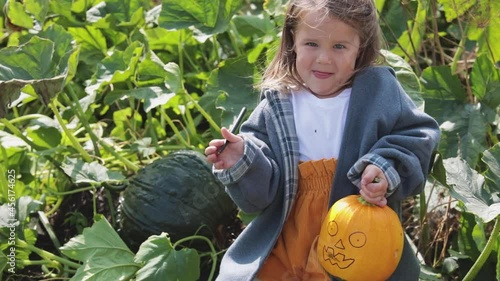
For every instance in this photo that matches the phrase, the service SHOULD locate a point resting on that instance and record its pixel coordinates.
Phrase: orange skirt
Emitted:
(294, 254)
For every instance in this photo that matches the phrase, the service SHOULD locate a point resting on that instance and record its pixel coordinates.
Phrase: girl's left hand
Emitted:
(374, 186)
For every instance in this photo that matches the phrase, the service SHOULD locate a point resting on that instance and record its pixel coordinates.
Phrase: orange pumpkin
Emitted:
(360, 241)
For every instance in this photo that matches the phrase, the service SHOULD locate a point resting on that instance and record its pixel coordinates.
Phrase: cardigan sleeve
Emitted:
(397, 136)
(252, 183)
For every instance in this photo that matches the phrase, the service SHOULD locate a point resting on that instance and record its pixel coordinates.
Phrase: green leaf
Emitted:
(106, 266)
(187, 13)
(485, 80)
(209, 16)
(393, 20)
(161, 262)
(117, 13)
(467, 186)
(455, 8)
(144, 147)
(38, 8)
(230, 87)
(254, 25)
(119, 67)
(173, 79)
(464, 128)
(126, 122)
(465, 236)
(17, 14)
(406, 76)
(450, 265)
(491, 158)
(100, 239)
(32, 64)
(151, 96)
(410, 42)
(103, 253)
(427, 274)
(151, 72)
(275, 7)
(81, 172)
(498, 258)
(92, 43)
(3, 263)
(44, 137)
(440, 83)
(63, 8)
(490, 42)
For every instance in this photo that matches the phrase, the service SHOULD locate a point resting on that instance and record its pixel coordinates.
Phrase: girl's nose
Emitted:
(324, 57)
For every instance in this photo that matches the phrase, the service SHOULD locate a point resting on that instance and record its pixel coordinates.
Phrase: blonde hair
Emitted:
(281, 74)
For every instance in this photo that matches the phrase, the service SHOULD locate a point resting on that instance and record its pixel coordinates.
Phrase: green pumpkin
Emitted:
(177, 194)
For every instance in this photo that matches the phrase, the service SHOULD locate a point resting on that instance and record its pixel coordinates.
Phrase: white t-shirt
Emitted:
(319, 123)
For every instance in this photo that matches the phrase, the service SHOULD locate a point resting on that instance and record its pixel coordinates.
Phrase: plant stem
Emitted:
(73, 191)
(174, 128)
(474, 270)
(4, 184)
(95, 140)
(152, 130)
(81, 116)
(203, 112)
(27, 117)
(124, 160)
(18, 133)
(213, 253)
(69, 135)
(46, 255)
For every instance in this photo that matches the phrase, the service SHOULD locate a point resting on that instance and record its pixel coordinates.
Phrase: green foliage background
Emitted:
(91, 91)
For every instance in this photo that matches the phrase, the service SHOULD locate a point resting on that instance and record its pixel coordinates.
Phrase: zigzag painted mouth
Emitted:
(336, 259)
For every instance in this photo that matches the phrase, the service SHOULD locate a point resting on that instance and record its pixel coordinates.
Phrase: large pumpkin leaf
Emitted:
(118, 12)
(92, 43)
(81, 172)
(463, 128)
(392, 16)
(410, 41)
(455, 8)
(44, 133)
(275, 7)
(467, 186)
(38, 8)
(152, 97)
(485, 80)
(161, 262)
(491, 158)
(103, 252)
(39, 63)
(209, 16)
(440, 83)
(17, 15)
(406, 76)
(230, 87)
(118, 67)
(173, 78)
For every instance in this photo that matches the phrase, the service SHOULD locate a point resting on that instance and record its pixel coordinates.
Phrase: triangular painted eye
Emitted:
(340, 245)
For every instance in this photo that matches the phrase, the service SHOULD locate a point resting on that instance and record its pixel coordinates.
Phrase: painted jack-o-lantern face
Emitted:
(336, 254)
(359, 241)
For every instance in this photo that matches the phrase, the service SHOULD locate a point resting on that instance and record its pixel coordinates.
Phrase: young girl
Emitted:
(329, 124)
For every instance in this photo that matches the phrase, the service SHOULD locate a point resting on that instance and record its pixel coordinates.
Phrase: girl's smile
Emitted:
(326, 49)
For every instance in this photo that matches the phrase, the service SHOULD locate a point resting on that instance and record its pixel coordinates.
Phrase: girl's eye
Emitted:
(312, 44)
(339, 46)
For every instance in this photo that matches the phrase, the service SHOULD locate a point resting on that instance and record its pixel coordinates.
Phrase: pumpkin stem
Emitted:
(364, 202)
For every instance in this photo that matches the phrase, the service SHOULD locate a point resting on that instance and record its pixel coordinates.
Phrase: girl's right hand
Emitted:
(231, 154)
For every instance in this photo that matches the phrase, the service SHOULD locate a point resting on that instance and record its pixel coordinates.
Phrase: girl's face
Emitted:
(326, 50)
